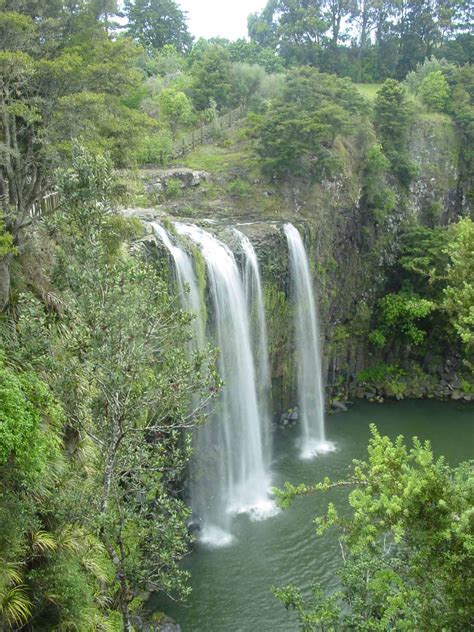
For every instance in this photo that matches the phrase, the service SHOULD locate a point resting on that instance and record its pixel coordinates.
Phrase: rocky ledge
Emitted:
(158, 180)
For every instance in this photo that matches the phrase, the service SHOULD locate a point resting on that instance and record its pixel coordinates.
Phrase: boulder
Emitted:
(188, 178)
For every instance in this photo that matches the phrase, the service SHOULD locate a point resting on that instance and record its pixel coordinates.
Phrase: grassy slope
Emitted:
(368, 90)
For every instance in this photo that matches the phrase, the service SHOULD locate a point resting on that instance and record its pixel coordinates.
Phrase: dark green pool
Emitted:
(231, 586)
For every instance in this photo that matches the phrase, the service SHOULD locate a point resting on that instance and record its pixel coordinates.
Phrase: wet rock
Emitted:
(188, 178)
(165, 624)
(283, 418)
(339, 406)
(193, 526)
(456, 382)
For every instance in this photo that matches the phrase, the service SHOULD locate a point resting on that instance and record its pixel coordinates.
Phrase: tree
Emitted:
(295, 28)
(417, 31)
(175, 107)
(393, 117)
(45, 98)
(248, 81)
(43, 552)
(461, 107)
(399, 316)
(211, 73)
(262, 28)
(434, 91)
(338, 11)
(127, 388)
(296, 134)
(364, 14)
(407, 544)
(459, 290)
(157, 23)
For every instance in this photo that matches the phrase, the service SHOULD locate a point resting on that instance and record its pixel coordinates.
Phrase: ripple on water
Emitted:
(214, 537)
(314, 448)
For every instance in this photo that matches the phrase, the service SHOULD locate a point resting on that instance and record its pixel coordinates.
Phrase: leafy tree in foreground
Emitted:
(408, 545)
(45, 100)
(52, 573)
(126, 387)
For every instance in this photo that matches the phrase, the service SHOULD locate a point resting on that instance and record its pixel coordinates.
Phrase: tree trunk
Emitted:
(127, 624)
(5, 280)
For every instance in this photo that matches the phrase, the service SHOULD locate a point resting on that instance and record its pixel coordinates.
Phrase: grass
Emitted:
(368, 90)
(436, 117)
(218, 159)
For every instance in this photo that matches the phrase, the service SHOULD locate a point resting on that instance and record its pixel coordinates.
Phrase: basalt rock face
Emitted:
(351, 254)
(354, 257)
(435, 194)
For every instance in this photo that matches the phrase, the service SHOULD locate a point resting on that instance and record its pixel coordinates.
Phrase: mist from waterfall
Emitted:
(307, 350)
(258, 327)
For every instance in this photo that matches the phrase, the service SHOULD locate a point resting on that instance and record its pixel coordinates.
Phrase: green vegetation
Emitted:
(365, 40)
(459, 290)
(297, 132)
(434, 91)
(368, 90)
(407, 544)
(157, 24)
(218, 160)
(95, 377)
(93, 469)
(399, 314)
(434, 275)
(393, 115)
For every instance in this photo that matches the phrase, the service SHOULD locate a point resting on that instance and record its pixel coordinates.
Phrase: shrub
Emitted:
(239, 188)
(156, 149)
(434, 91)
(173, 188)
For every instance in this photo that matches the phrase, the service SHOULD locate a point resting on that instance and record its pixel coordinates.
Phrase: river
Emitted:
(231, 586)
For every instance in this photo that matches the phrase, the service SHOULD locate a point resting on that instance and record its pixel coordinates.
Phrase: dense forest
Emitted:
(99, 392)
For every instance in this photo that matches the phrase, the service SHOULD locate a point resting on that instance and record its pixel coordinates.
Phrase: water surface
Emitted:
(231, 586)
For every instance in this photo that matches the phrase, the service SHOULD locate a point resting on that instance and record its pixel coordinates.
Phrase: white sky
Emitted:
(220, 18)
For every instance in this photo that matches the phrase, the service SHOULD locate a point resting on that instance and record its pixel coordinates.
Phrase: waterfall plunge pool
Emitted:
(231, 585)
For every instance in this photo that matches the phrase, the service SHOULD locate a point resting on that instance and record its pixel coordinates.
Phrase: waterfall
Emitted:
(230, 449)
(258, 326)
(206, 467)
(307, 349)
(188, 286)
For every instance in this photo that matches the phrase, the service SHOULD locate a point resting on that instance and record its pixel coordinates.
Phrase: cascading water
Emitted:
(236, 476)
(308, 354)
(206, 467)
(256, 310)
(188, 286)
